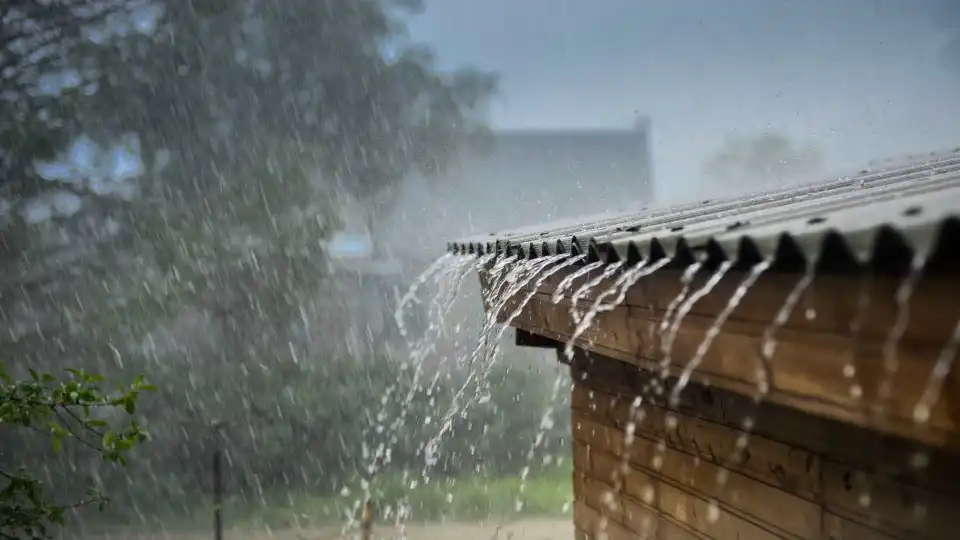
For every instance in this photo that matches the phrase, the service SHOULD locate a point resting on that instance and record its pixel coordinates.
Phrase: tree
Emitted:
(765, 158)
(237, 120)
(75, 409)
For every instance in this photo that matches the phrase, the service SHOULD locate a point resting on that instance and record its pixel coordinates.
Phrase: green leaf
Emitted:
(57, 444)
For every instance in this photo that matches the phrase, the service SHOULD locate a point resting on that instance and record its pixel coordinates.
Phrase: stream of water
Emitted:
(512, 283)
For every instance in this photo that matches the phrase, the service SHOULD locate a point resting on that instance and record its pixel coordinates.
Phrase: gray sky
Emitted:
(860, 78)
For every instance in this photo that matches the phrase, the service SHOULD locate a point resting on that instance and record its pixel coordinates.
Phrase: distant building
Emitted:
(524, 177)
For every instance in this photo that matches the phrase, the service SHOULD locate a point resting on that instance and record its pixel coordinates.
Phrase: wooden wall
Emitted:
(820, 365)
(799, 476)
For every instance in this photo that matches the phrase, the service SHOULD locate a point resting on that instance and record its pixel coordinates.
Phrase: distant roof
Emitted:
(526, 176)
(881, 218)
(587, 156)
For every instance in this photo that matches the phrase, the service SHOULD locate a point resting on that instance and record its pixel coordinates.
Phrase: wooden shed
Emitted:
(770, 367)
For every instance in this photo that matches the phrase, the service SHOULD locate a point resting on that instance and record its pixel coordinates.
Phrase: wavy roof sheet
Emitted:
(884, 219)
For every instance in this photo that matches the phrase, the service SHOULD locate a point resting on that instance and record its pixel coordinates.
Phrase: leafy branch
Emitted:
(75, 408)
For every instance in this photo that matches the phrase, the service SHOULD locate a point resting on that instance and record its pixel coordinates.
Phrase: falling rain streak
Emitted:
(714, 330)
(891, 347)
(511, 284)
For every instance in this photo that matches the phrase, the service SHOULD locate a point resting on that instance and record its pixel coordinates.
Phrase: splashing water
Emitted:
(535, 270)
(686, 280)
(565, 261)
(519, 277)
(570, 261)
(768, 344)
(856, 327)
(941, 369)
(714, 330)
(566, 282)
(683, 310)
(585, 289)
(448, 274)
(546, 423)
(627, 280)
(891, 360)
(411, 294)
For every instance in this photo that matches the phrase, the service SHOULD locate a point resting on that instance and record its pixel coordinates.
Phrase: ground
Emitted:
(533, 529)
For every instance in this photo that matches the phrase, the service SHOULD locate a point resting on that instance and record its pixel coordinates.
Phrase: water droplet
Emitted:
(856, 391)
(921, 414)
(920, 460)
(849, 371)
(609, 500)
(657, 462)
(713, 512)
(722, 476)
(919, 511)
(810, 314)
(647, 494)
(864, 500)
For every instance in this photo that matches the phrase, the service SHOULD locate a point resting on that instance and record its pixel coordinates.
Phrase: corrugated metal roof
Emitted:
(882, 218)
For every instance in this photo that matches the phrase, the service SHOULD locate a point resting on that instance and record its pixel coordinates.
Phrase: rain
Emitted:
(331, 269)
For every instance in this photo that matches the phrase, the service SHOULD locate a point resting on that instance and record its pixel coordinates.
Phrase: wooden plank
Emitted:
(777, 464)
(791, 469)
(596, 526)
(793, 486)
(807, 373)
(642, 520)
(908, 460)
(839, 528)
(777, 508)
(887, 504)
(834, 301)
(709, 519)
(601, 497)
(648, 522)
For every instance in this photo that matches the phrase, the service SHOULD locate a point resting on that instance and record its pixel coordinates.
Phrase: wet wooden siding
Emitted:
(795, 475)
(833, 354)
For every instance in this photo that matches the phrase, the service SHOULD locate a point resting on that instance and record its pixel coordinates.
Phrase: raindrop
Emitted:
(713, 512)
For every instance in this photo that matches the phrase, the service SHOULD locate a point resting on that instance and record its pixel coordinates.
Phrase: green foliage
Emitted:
(74, 409)
(466, 497)
(221, 250)
(469, 496)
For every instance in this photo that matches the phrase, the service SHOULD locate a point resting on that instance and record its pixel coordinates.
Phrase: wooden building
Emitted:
(820, 402)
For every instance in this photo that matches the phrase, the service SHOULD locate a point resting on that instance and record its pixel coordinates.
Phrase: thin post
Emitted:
(217, 482)
(366, 523)
(217, 494)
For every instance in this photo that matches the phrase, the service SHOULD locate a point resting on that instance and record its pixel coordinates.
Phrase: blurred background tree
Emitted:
(167, 171)
(767, 158)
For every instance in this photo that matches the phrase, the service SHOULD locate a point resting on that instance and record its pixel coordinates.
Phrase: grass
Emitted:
(546, 493)
(473, 498)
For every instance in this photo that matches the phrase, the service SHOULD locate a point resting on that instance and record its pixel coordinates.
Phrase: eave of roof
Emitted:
(882, 219)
